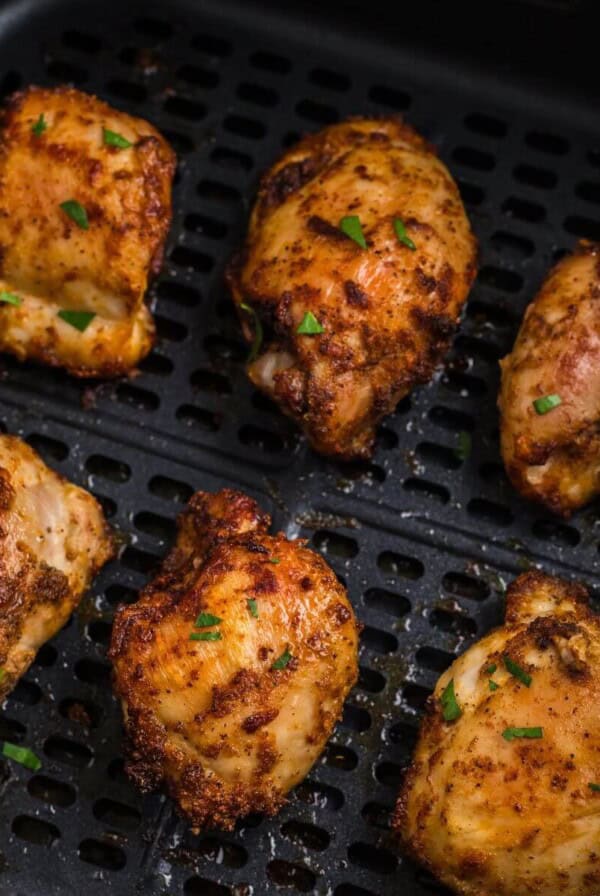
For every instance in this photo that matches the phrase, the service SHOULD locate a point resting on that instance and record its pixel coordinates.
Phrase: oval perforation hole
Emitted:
(200, 418)
(170, 489)
(192, 259)
(198, 76)
(56, 793)
(51, 450)
(320, 113)
(535, 177)
(321, 796)
(370, 680)
(556, 533)
(464, 384)
(463, 585)
(440, 455)
(117, 815)
(83, 712)
(181, 294)
(490, 511)
(453, 621)
(154, 525)
(61, 70)
(329, 79)
(157, 29)
(306, 835)
(99, 631)
(135, 397)
(35, 830)
(582, 227)
(372, 858)
(432, 490)
(120, 594)
(588, 191)
(434, 659)
(549, 143)
(185, 108)
(474, 158)
(377, 640)
(270, 62)
(399, 565)
(261, 438)
(218, 192)
(389, 774)
(334, 544)
(499, 278)
(108, 468)
(211, 45)
(338, 756)
(127, 90)
(210, 381)
(389, 96)
(258, 94)
(200, 886)
(103, 855)
(208, 227)
(12, 730)
(415, 696)
(448, 418)
(245, 127)
(511, 246)
(471, 193)
(138, 560)
(393, 604)
(28, 693)
(404, 735)
(523, 209)
(46, 656)
(352, 890)
(82, 41)
(69, 752)
(289, 874)
(93, 672)
(486, 125)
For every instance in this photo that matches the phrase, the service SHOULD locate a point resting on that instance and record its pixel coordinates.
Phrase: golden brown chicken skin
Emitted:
(505, 799)
(230, 722)
(387, 311)
(53, 150)
(53, 540)
(554, 458)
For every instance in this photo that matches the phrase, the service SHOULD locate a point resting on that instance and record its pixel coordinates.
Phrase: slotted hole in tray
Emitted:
(309, 836)
(35, 830)
(116, 814)
(319, 795)
(372, 858)
(200, 886)
(49, 790)
(291, 874)
(102, 855)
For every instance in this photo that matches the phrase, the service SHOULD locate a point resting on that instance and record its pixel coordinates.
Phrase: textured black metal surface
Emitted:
(424, 540)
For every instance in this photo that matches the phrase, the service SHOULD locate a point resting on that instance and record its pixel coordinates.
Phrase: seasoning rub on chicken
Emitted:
(233, 665)
(503, 795)
(85, 206)
(358, 260)
(550, 395)
(53, 540)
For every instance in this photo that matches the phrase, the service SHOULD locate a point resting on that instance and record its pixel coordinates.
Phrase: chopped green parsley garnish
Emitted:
(402, 235)
(23, 755)
(274, 560)
(76, 212)
(78, 319)
(532, 733)
(594, 787)
(40, 126)
(491, 668)
(205, 636)
(547, 403)
(206, 619)
(258, 332)
(450, 708)
(111, 138)
(282, 661)
(493, 685)
(309, 326)
(252, 607)
(350, 225)
(517, 671)
(10, 298)
(2, 673)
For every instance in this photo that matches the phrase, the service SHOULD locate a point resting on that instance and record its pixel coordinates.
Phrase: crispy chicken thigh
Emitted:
(53, 150)
(234, 664)
(387, 311)
(554, 457)
(53, 540)
(505, 799)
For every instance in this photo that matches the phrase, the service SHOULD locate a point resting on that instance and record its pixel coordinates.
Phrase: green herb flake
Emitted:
(10, 298)
(450, 708)
(76, 212)
(111, 138)
(463, 448)
(516, 671)
(40, 126)
(594, 787)
(258, 332)
(403, 237)
(310, 326)
(493, 686)
(531, 733)
(547, 403)
(78, 319)
(22, 755)
(350, 225)
(274, 560)
(252, 607)
(282, 661)
(205, 636)
(206, 619)
(491, 669)
(2, 673)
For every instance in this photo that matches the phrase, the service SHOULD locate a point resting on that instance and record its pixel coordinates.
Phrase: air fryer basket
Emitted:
(425, 538)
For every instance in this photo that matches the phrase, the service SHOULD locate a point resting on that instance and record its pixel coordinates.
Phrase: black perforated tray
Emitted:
(424, 540)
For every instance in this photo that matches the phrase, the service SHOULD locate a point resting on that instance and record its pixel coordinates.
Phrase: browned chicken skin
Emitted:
(53, 540)
(53, 150)
(554, 458)
(493, 811)
(229, 725)
(387, 312)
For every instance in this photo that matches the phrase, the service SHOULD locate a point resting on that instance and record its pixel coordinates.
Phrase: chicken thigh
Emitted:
(233, 665)
(85, 206)
(358, 260)
(550, 393)
(503, 795)
(53, 540)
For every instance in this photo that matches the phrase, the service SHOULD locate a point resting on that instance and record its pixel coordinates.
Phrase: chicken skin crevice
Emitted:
(382, 313)
(233, 665)
(502, 794)
(85, 206)
(554, 457)
(53, 540)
